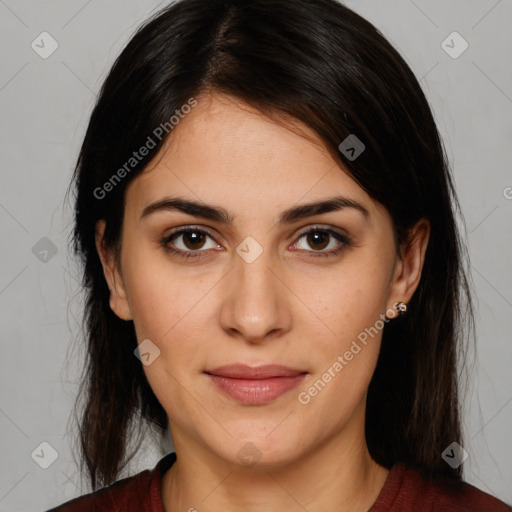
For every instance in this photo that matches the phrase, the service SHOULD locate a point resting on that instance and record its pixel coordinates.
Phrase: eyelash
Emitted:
(346, 242)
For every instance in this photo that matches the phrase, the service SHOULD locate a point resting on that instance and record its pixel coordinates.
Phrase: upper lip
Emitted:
(243, 371)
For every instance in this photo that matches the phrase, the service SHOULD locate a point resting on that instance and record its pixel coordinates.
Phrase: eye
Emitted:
(319, 239)
(188, 242)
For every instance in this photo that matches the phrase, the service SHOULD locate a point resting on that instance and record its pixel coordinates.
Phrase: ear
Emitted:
(118, 298)
(409, 264)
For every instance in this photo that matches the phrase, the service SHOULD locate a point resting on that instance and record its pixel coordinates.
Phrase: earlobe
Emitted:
(118, 298)
(408, 270)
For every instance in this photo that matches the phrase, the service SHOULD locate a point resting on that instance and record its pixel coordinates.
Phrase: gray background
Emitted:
(44, 109)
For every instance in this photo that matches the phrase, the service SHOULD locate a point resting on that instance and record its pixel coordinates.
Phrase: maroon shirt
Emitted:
(404, 491)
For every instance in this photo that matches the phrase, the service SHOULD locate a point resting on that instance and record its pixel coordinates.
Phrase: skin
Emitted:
(288, 307)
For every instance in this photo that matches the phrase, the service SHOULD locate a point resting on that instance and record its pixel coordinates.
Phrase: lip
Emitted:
(243, 371)
(255, 385)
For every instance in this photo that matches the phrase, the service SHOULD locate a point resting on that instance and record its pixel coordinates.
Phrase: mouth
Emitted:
(255, 385)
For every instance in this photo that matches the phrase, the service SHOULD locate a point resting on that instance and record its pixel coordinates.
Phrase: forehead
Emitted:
(226, 152)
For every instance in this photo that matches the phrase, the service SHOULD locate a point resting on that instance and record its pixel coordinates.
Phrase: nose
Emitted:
(256, 301)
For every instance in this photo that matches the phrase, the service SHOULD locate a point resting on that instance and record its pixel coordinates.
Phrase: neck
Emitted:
(335, 476)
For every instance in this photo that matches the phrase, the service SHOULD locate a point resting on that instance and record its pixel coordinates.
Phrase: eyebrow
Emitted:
(222, 216)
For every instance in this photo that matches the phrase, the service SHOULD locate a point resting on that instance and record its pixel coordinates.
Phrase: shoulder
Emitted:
(139, 492)
(130, 491)
(450, 495)
(406, 490)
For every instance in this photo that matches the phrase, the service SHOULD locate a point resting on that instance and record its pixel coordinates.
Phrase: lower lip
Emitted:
(254, 392)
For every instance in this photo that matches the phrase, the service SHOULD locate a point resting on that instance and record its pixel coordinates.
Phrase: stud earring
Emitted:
(401, 307)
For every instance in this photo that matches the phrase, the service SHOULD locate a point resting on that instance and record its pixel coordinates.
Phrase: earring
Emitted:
(401, 307)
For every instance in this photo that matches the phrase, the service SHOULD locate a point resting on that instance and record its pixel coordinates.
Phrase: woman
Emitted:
(266, 219)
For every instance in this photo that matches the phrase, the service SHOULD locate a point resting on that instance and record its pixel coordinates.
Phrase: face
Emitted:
(255, 279)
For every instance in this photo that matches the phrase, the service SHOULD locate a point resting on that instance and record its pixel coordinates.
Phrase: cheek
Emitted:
(351, 301)
(347, 339)
(168, 308)
(345, 357)
(158, 296)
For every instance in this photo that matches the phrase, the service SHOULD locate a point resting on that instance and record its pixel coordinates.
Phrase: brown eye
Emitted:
(189, 242)
(318, 239)
(193, 239)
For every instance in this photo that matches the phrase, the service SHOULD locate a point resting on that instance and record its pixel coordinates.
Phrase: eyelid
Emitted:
(190, 227)
(324, 227)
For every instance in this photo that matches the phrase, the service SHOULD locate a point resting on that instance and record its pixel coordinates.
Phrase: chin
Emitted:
(259, 452)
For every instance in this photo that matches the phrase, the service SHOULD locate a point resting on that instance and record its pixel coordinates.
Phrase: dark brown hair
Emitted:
(318, 62)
